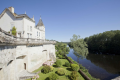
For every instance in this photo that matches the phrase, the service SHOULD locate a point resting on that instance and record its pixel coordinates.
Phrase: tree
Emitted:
(79, 46)
(14, 31)
(62, 48)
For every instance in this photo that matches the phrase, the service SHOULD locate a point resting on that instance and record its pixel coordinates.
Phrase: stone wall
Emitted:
(14, 59)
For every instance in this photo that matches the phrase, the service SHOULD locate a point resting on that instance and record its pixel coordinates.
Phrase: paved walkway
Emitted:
(26, 75)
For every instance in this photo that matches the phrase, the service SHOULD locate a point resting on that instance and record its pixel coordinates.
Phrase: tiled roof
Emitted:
(40, 23)
(16, 15)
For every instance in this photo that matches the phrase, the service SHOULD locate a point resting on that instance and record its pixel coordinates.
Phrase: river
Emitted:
(104, 67)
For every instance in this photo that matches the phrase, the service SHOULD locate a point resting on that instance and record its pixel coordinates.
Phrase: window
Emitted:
(28, 35)
(39, 33)
(31, 28)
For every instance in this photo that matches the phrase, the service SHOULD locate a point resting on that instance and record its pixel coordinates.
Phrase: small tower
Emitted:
(40, 23)
(41, 27)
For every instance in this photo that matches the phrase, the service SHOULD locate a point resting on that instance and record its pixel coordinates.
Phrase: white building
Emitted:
(25, 26)
(18, 59)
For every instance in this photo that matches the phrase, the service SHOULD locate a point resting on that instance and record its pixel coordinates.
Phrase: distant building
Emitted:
(25, 25)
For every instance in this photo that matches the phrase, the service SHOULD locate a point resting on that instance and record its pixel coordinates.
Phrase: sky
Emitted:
(63, 18)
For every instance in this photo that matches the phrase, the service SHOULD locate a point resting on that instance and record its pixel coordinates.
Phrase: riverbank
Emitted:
(82, 70)
(104, 67)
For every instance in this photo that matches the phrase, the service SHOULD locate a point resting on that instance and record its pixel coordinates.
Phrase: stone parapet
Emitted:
(6, 38)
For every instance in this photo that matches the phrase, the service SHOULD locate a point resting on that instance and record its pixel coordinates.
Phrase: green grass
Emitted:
(43, 76)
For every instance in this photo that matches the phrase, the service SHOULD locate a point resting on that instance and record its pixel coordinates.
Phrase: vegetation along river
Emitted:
(102, 66)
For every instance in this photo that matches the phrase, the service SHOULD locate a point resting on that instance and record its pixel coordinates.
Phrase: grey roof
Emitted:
(15, 15)
(40, 23)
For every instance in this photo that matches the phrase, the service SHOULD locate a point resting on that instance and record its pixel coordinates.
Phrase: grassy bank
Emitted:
(68, 71)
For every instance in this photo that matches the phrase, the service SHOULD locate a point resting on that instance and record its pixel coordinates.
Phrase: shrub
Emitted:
(70, 58)
(60, 56)
(74, 67)
(51, 68)
(74, 75)
(63, 57)
(46, 69)
(53, 76)
(14, 31)
(81, 67)
(58, 63)
(67, 64)
(61, 71)
(56, 53)
(75, 62)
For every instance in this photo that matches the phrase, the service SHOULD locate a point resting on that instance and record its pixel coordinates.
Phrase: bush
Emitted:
(63, 57)
(67, 64)
(81, 67)
(51, 68)
(74, 67)
(60, 56)
(61, 71)
(14, 31)
(74, 75)
(46, 69)
(53, 76)
(58, 63)
(70, 58)
(75, 62)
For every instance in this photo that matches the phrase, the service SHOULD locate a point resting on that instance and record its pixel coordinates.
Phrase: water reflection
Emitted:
(105, 67)
(111, 63)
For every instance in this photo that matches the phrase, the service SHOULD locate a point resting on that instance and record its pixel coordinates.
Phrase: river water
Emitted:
(104, 67)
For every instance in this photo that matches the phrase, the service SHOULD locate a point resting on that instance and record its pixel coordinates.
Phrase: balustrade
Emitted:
(5, 37)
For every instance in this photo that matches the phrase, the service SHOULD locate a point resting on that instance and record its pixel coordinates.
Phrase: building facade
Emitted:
(20, 56)
(25, 26)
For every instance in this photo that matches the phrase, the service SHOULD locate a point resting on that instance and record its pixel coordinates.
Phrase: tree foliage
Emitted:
(74, 75)
(62, 48)
(14, 31)
(79, 46)
(106, 42)
(53, 76)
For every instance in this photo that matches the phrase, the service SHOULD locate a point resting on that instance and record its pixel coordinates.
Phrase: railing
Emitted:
(5, 37)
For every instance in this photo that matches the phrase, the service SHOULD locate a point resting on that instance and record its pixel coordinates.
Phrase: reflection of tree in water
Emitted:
(79, 46)
(111, 63)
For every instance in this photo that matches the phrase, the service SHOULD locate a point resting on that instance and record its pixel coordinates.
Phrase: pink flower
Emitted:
(37, 76)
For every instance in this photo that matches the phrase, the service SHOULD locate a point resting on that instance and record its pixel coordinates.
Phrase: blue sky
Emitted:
(63, 18)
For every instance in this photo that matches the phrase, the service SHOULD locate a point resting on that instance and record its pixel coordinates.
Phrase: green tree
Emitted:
(79, 46)
(62, 48)
(14, 31)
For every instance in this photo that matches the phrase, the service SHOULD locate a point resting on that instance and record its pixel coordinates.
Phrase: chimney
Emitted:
(11, 9)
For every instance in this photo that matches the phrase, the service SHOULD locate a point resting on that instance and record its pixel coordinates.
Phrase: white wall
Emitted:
(35, 56)
(27, 23)
(35, 33)
(7, 21)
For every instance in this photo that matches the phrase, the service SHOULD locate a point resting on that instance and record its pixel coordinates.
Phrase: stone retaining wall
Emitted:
(85, 77)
